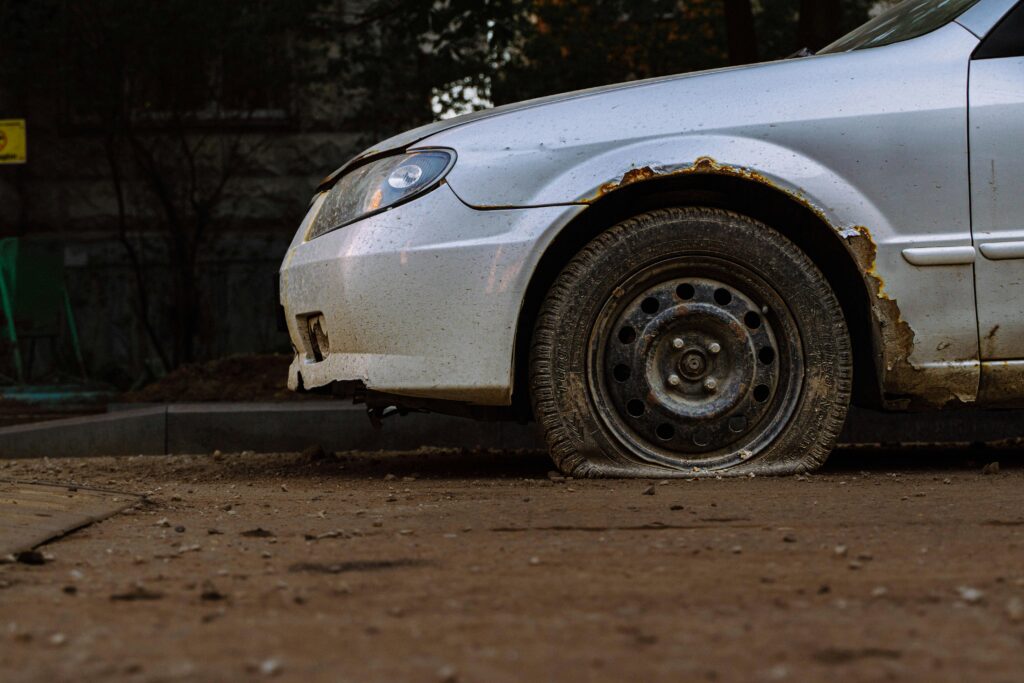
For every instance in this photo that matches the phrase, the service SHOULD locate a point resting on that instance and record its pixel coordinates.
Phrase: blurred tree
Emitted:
(464, 54)
(740, 33)
(178, 91)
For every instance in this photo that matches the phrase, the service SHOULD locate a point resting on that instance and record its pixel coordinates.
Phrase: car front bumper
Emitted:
(422, 300)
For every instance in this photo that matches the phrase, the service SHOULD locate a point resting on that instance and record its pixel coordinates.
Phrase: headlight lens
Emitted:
(379, 185)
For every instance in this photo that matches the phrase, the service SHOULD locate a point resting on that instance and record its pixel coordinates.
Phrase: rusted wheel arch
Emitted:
(791, 217)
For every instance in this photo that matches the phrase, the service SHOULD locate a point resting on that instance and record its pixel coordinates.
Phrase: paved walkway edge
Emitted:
(275, 427)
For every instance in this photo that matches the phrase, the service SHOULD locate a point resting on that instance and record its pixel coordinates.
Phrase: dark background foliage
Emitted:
(165, 137)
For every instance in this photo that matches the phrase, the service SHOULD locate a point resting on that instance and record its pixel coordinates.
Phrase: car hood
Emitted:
(410, 137)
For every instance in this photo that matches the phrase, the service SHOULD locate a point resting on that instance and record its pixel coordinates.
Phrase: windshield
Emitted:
(909, 19)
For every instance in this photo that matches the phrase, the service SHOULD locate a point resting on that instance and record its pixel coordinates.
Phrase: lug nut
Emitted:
(674, 380)
(710, 385)
(678, 343)
(714, 348)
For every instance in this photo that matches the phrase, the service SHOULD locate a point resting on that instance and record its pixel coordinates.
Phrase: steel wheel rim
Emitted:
(695, 361)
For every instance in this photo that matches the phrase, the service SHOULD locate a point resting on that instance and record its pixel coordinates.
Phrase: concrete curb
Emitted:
(292, 426)
(261, 427)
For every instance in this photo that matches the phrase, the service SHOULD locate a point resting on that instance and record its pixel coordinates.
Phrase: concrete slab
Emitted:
(32, 514)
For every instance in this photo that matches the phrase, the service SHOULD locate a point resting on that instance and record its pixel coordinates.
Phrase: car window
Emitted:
(1006, 39)
(909, 19)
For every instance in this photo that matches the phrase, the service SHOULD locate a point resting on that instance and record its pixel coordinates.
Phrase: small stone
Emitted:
(855, 565)
(1015, 609)
(137, 592)
(179, 529)
(210, 593)
(555, 477)
(839, 551)
(534, 561)
(970, 595)
(270, 667)
(32, 557)
(389, 477)
(162, 522)
(58, 639)
(258, 532)
(284, 488)
(447, 674)
(649, 491)
(736, 550)
(879, 591)
(991, 468)
(789, 538)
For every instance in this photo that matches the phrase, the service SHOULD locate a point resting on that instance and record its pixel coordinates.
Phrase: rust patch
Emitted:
(992, 332)
(702, 165)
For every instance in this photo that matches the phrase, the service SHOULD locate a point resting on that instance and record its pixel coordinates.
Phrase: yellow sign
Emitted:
(13, 145)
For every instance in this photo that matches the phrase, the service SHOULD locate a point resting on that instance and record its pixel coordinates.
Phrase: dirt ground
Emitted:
(465, 566)
(235, 378)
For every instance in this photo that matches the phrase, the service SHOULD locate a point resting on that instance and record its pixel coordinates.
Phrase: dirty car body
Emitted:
(896, 168)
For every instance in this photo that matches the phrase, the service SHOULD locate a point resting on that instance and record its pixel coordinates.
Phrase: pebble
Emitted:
(789, 538)
(649, 491)
(970, 595)
(447, 674)
(270, 667)
(1015, 609)
(991, 468)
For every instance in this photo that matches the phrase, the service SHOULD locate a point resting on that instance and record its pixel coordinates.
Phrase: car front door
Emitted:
(997, 205)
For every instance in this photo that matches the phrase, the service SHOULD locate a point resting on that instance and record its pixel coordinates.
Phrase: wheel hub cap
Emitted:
(691, 364)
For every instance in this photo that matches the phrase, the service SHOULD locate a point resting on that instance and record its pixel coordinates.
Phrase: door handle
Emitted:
(939, 256)
(1002, 251)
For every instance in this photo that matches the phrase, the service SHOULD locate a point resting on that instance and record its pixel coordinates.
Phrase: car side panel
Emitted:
(875, 141)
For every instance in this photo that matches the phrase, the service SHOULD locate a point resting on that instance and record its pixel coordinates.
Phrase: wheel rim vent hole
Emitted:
(752, 320)
(723, 296)
(685, 292)
(665, 431)
(636, 407)
(761, 393)
(622, 373)
(627, 335)
(650, 305)
(766, 355)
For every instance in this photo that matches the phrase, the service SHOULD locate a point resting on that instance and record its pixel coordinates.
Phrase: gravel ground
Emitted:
(469, 566)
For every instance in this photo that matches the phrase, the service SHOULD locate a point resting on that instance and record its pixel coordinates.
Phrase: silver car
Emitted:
(695, 274)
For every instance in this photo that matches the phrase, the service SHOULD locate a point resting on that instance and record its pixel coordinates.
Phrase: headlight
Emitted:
(378, 186)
